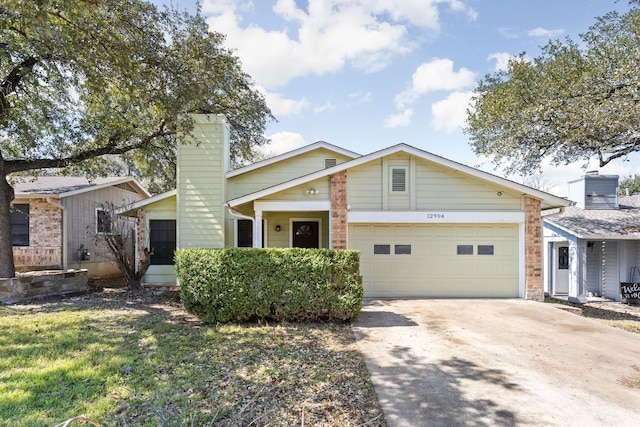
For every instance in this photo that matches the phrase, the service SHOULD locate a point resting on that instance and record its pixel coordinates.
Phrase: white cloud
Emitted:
(502, 60)
(399, 120)
(435, 75)
(544, 33)
(282, 107)
(327, 106)
(450, 114)
(356, 98)
(281, 142)
(330, 34)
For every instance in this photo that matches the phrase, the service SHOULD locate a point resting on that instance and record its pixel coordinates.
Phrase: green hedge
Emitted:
(242, 284)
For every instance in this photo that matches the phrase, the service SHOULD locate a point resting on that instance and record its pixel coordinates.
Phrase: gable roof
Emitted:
(290, 154)
(548, 200)
(600, 224)
(132, 208)
(65, 186)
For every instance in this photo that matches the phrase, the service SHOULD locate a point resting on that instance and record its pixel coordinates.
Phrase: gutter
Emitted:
(64, 232)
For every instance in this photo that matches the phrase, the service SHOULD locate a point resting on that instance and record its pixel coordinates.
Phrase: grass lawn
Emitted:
(127, 359)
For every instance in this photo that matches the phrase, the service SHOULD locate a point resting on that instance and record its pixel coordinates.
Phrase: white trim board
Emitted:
(433, 217)
(291, 205)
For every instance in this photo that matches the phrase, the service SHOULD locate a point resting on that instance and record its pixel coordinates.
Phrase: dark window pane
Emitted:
(245, 233)
(402, 249)
(485, 249)
(162, 240)
(381, 249)
(103, 221)
(563, 258)
(20, 225)
(465, 249)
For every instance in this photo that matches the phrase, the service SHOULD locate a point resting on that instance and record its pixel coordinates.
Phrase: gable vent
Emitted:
(329, 163)
(398, 180)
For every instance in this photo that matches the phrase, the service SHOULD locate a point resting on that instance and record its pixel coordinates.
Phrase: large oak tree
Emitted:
(578, 100)
(81, 79)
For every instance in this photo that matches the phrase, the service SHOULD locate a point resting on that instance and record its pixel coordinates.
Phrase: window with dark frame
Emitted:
(485, 249)
(20, 224)
(329, 163)
(103, 221)
(245, 233)
(465, 250)
(381, 249)
(402, 249)
(162, 241)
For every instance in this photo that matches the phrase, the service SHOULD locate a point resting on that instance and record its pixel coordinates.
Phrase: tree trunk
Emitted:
(7, 267)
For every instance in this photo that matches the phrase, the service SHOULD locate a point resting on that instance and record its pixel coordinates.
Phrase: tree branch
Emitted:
(111, 147)
(11, 82)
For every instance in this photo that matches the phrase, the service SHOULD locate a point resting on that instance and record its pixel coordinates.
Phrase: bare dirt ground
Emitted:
(499, 362)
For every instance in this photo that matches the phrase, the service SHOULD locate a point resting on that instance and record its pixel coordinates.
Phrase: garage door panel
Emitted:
(434, 269)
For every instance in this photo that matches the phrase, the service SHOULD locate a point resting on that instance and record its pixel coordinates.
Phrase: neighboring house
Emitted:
(425, 226)
(592, 247)
(53, 216)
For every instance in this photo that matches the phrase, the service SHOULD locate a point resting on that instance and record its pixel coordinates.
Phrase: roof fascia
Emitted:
(124, 180)
(290, 154)
(148, 201)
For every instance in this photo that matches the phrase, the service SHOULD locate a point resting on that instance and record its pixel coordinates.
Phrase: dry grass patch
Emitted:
(138, 359)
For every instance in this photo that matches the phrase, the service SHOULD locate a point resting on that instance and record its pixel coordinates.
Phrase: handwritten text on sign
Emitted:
(630, 290)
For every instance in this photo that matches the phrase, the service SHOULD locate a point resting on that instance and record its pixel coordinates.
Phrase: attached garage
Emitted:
(438, 260)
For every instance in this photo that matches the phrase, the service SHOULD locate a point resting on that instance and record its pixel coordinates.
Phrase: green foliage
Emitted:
(629, 185)
(85, 79)
(241, 284)
(576, 101)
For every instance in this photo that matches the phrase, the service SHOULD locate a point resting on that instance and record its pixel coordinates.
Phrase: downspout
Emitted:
(64, 233)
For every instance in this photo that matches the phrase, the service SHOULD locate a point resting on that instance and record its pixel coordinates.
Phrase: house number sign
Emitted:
(435, 215)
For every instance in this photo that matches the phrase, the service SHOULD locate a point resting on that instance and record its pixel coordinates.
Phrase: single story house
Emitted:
(425, 226)
(594, 246)
(55, 218)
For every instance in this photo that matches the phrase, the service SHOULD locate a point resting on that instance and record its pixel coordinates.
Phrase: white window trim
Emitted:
(406, 180)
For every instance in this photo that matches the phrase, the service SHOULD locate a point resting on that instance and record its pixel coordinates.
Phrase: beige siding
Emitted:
(80, 226)
(364, 186)
(201, 182)
(300, 192)
(430, 187)
(440, 188)
(281, 172)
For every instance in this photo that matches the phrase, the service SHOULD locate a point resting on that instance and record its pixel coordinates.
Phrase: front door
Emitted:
(561, 269)
(306, 234)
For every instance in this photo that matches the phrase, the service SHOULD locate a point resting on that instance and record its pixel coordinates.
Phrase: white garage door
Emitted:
(444, 260)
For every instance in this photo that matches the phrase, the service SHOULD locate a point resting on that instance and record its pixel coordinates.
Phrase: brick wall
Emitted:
(45, 236)
(533, 250)
(339, 210)
(41, 284)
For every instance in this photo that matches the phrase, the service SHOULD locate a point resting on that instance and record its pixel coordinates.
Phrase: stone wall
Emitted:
(42, 284)
(533, 250)
(339, 210)
(45, 237)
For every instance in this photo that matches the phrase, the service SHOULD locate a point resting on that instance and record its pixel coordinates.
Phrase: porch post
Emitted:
(257, 229)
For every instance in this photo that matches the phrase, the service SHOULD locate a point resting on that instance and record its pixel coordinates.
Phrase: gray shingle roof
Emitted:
(59, 185)
(623, 223)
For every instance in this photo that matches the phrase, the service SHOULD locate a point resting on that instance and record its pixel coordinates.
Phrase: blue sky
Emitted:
(367, 74)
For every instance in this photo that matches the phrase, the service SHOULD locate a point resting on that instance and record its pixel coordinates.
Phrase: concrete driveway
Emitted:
(498, 362)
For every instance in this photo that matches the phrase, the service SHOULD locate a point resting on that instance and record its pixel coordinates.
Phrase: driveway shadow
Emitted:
(382, 319)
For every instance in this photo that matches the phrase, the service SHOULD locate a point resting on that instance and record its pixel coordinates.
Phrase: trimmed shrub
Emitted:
(242, 284)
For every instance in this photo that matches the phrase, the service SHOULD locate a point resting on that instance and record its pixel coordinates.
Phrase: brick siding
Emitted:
(533, 250)
(339, 210)
(45, 237)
